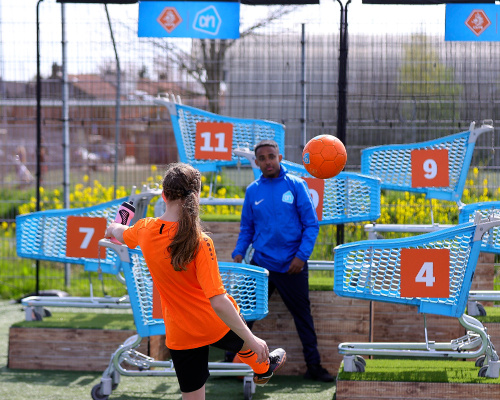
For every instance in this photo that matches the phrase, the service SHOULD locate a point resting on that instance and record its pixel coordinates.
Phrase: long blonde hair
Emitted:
(182, 181)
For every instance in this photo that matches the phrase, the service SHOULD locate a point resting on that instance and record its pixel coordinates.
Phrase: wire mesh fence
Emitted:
(405, 84)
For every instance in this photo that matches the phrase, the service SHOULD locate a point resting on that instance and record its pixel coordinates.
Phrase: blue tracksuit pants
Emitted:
(294, 290)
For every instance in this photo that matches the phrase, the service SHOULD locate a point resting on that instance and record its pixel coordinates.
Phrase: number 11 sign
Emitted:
(213, 141)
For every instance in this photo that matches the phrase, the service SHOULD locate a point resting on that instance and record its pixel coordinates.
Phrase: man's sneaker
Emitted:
(318, 373)
(277, 359)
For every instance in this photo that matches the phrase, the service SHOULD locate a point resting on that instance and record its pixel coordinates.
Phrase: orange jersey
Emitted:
(190, 320)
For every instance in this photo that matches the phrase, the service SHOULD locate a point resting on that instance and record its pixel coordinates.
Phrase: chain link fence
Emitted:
(405, 84)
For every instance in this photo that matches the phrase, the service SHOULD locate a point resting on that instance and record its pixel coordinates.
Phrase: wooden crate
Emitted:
(373, 390)
(336, 320)
(73, 349)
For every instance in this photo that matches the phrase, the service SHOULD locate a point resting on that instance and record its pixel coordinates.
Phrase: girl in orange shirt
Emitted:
(197, 311)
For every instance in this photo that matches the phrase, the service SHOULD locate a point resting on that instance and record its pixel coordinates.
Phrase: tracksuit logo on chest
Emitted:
(287, 197)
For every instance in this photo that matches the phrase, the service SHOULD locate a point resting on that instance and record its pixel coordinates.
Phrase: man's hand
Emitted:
(296, 266)
(238, 258)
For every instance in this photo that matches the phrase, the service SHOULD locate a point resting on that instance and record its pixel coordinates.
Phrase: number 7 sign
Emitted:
(425, 273)
(82, 237)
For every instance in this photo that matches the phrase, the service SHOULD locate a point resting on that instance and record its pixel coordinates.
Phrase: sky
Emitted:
(89, 38)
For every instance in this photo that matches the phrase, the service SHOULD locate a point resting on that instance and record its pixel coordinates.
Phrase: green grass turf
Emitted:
(82, 320)
(395, 370)
(220, 217)
(55, 385)
(492, 315)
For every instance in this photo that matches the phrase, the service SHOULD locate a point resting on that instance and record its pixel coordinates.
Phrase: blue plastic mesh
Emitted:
(349, 197)
(371, 269)
(42, 235)
(392, 164)
(246, 133)
(491, 239)
(247, 285)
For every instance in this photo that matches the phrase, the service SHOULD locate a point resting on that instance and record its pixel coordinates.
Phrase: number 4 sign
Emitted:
(213, 141)
(425, 273)
(429, 168)
(82, 237)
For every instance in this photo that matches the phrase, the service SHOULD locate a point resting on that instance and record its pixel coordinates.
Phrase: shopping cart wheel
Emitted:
(37, 316)
(482, 371)
(480, 361)
(247, 391)
(96, 393)
(361, 360)
(482, 311)
(360, 367)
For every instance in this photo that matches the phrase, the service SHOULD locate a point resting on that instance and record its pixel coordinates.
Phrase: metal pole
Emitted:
(65, 121)
(303, 86)
(117, 107)
(342, 95)
(38, 128)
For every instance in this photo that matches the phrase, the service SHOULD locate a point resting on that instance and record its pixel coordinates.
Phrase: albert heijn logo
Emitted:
(477, 21)
(207, 21)
(169, 19)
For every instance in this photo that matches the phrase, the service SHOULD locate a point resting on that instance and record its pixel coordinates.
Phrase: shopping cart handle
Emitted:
(484, 225)
(120, 249)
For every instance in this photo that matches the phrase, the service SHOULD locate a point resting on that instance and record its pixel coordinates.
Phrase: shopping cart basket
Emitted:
(381, 270)
(43, 235)
(247, 284)
(393, 163)
(243, 132)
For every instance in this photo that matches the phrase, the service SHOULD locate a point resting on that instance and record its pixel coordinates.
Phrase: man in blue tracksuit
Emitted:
(280, 222)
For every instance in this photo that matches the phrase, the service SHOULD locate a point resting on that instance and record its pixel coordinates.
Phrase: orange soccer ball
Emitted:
(324, 156)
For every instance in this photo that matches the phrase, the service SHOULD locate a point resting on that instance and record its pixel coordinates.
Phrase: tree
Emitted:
(206, 66)
(427, 86)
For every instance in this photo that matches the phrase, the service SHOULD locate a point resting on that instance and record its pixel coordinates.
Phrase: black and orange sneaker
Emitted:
(277, 359)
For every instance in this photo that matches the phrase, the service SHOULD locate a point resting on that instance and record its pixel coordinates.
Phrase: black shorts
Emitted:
(191, 366)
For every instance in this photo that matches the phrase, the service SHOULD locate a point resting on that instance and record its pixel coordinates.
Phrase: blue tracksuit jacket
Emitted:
(280, 221)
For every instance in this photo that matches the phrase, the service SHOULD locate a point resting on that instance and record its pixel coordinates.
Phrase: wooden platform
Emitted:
(356, 390)
(73, 349)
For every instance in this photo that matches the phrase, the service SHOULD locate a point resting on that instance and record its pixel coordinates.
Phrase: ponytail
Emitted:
(182, 181)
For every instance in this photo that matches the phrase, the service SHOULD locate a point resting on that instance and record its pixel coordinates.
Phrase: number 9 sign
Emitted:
(429, 168)
(317, 191)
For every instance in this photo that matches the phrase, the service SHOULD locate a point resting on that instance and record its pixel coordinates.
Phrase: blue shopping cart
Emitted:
(374, 270)
(348, 197)
(393, 163)
(43, 235)
(245, 132)
(247, 284)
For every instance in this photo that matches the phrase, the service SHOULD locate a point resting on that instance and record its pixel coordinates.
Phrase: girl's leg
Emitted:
(196, 395)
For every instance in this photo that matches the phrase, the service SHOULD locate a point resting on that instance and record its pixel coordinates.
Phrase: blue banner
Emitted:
(472, 22)
(189, 19)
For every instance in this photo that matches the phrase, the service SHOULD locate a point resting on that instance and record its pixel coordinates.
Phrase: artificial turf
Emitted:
(82, 320)
(417, 370)
(55, 385)
(492, 315)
